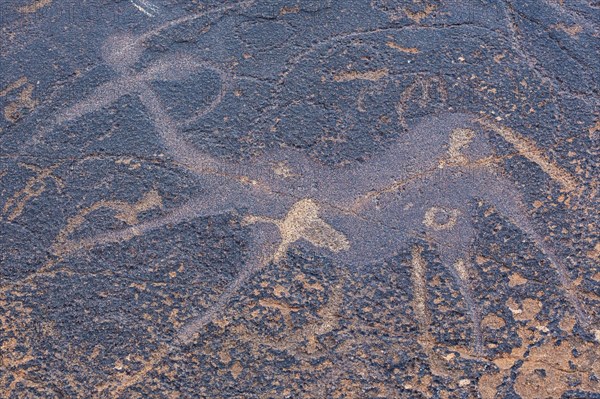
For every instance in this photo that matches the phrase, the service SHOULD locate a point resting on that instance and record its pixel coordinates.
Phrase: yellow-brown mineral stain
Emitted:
(125, 212)
(396, 46)
(35, 6)
(459, 139)
(34, 187)
(15, 347)
(562, 363)
(572, 30)
(372, 76)
(24, 101)
(419, 304)
(417, 16)
(549, 366)
(527, 148)
(516, 279)
(526, 310)
(430, 218)
(492, 321)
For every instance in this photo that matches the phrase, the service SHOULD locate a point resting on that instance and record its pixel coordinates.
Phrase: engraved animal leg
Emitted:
(507, 200)
(183, 152)
(453, 234)
(263, 247)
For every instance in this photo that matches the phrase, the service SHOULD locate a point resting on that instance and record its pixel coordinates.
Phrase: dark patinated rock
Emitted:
(299, 199)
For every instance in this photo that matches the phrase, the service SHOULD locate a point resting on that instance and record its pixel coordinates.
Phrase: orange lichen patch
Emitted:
(12, 111)
(125, 212)
(33, 7)
(34, 187)
(492, 321)
(561, 368)
(396, 46)
(373, 76)
(516, 279)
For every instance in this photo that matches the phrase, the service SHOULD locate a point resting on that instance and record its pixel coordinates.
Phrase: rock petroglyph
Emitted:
(415, 190)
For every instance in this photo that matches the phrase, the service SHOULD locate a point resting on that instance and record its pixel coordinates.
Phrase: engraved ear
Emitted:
(458, 141)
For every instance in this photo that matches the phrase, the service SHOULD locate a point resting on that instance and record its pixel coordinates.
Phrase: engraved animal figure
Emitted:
(419, 186)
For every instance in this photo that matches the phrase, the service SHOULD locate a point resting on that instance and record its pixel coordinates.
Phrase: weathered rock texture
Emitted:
(299, 199)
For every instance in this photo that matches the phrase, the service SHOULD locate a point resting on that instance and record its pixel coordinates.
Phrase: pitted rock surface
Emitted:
(299, 199)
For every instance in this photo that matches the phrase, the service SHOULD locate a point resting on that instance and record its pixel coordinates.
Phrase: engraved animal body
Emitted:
(419, 186)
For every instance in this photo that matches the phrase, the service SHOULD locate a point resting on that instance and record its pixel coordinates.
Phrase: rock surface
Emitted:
(299, 199)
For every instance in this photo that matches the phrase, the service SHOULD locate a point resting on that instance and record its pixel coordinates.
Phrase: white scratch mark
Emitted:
(145, 6)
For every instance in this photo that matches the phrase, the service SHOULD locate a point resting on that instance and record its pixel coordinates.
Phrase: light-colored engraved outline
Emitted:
(200, 163)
